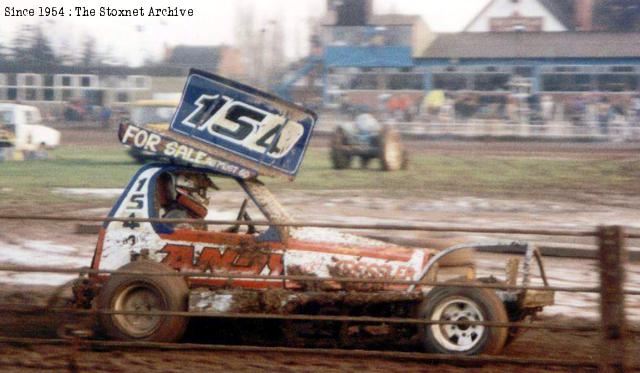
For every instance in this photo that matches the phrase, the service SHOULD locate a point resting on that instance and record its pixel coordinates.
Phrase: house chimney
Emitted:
(584, 15)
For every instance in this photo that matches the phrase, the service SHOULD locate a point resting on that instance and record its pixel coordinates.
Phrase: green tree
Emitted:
(617, 15)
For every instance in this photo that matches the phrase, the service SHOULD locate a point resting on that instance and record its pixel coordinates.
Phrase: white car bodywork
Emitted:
(26, 121)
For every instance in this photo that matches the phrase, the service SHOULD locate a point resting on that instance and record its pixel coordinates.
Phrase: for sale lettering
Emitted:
(149, 141)
(255, 129)
(141, 139)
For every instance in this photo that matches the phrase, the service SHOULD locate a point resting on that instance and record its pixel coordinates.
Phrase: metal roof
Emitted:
(329, 19)
(534, 45)
(205, 57)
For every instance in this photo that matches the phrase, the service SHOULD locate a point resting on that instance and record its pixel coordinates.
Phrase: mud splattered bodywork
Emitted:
(302, 251)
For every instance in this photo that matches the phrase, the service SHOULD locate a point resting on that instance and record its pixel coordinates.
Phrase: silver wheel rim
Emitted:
(138, 298)
(455, 337)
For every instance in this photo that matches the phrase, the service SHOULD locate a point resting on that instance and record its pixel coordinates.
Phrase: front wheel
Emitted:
(463, 304)
(143, 293)
(340, 156)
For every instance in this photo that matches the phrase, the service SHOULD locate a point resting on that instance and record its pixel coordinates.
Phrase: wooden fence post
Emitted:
(612, 258)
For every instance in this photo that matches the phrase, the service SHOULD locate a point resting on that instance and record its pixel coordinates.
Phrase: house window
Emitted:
(364, 81)
(566, 82)
(66, 81)
(85, 81)
(491, 82)
(405, 81)
(450, 82)
(122, 96)
(523, 71)
(30, 94)
(29, 80)
(48, 94)
(67, 95)
(617, 82)
(138, 81)
(622, 69)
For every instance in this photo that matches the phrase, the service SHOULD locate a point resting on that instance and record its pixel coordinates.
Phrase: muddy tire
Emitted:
(453, 303)
(340, 157)
(143, 293)
(392, 155)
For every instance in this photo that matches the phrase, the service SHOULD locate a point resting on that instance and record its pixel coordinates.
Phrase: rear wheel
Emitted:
(463, 304)
(143, 293)
(392, 154)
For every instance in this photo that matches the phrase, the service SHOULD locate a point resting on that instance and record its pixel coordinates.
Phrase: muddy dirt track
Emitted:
(532, 344)
(21, 358)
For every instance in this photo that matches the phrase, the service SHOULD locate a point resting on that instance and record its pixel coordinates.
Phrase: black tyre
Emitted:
(340, 157)
(143, 293)
(392, 155)
(364, 162)
(453, 303)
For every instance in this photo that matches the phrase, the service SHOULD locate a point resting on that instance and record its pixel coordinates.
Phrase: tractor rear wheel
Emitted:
(392, 155)
(340, 156)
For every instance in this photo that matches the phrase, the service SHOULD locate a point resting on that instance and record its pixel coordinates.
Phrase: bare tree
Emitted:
(618, 15)
(88, 56)
(66, 53)
(32, 48)
(247, 39)
(275, 46)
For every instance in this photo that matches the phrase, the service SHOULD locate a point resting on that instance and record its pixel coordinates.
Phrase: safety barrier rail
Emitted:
(614, 329)
(499, 128)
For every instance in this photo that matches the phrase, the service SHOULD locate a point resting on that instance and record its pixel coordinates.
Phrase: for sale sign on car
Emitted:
(252, 127)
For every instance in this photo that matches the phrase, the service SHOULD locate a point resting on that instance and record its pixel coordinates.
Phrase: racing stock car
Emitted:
(227, 136)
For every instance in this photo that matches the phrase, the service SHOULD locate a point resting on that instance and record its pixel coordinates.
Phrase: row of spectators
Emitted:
(441, 107)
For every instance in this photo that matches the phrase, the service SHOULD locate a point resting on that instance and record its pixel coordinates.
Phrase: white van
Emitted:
(24, 123)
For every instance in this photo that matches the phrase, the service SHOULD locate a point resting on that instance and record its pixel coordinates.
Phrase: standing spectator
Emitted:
(535, 110)
(635, 113)
(405, 108)
(591, 111)
(547, 107)
(446, 110)
(577, 111)
(105, 116)
(604, 115)
(512, 109)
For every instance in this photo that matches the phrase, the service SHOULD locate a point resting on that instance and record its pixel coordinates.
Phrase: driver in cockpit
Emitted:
(184, 196)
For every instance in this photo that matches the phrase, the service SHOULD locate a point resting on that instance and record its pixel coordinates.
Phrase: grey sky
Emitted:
(130, 39)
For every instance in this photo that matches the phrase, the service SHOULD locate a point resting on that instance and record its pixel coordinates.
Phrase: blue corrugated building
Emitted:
(392, 54)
